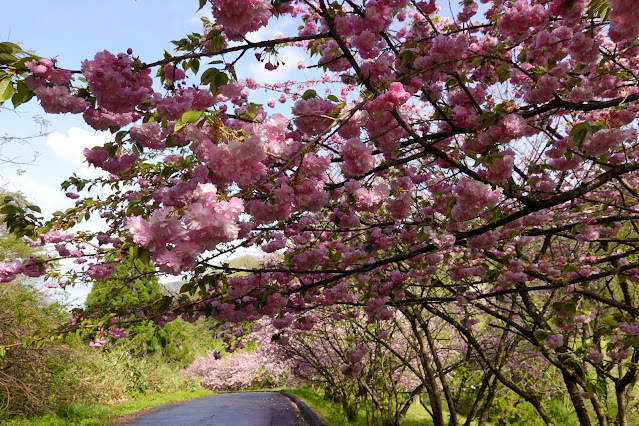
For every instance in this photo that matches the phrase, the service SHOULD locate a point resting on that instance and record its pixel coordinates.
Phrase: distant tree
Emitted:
(131, 284)
(12, 246)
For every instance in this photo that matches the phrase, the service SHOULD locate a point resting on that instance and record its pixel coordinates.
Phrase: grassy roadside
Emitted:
(98, 414)
(331, 413)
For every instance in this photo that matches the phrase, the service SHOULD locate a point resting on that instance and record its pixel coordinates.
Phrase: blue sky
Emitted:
(71, 31)
(74, 30)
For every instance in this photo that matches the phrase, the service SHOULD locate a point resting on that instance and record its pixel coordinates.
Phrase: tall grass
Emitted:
(68, 380)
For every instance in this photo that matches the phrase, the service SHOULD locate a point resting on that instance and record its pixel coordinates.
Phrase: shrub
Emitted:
(239, 371)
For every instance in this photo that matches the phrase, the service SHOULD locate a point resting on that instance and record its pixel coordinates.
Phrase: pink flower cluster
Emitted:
(171, 107)
(312, 115)
(148, 134)
(605, 141)
(173, 73)
(522, 16)
(51, 86)
(624, 20)
(30, 267)
(103, 120)
(394, 98)
(118, 164)
(115, 84)
(473, 198)
(358, 158)
(554, 341)
(240, 370)
(370, 200)
(243, 160)
(58, 100)
(241, 17)
(485, 240)
(101, 272)
(500, 169)
(176, 240)
(510, 127)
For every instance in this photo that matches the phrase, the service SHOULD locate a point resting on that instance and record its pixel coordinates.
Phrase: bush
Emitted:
(35, 379)
(64, 377)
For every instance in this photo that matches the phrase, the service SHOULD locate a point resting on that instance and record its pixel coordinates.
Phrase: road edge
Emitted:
(309, 415)
(128, 418)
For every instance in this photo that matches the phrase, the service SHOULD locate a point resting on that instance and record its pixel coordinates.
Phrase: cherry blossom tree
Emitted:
(485, 159)
(356, 364)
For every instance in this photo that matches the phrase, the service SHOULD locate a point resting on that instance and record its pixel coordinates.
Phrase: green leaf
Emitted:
(332, 98)
(186, 287)
(145, 257)
(22, 95)
(599, 9)
(7, 58)
(277, 4)
(134, 252)
(540, 334)
(5, 48)
(503, 72)
(189, 117)
(310, 93)
(452, 82)
(221, 79)
(407, 57)
(6, 90)
(489, 119)
(209, 75)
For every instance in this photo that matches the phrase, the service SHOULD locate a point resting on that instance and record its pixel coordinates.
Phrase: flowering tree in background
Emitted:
(357, 363)
(481, 166)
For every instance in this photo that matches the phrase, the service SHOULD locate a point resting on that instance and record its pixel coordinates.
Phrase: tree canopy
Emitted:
(479, 168)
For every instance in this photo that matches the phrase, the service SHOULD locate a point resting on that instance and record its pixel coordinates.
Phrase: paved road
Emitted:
(228, 409)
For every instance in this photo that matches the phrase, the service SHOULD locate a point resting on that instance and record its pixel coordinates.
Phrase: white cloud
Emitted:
(48, 197)
(61, 157)
(68, 149)
(290, 56)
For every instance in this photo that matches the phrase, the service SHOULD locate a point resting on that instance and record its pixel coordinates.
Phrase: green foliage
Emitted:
(100, 414)
(62, 380)
(11, 245)
(176, 343)
(244, 262)
(34, 379)
(331, 413)
(12, 64)
(18, 216)
(132, 284)
(509, 410)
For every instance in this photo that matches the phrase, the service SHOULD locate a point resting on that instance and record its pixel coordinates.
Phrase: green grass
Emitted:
(328, 411)
(331, 412)
(83, 414)
(147, 401)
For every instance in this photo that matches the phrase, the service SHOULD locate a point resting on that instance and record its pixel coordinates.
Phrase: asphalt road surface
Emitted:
(228, 409)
